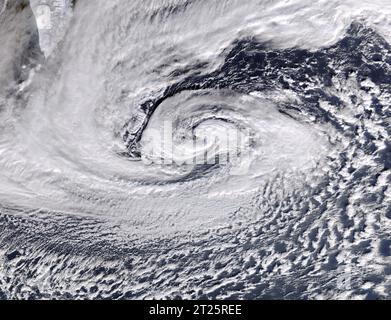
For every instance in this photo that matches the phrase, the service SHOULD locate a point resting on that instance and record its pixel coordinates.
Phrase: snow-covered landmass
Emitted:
(52, 18)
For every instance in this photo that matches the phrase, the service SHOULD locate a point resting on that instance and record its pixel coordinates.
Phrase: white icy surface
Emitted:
(52, 18)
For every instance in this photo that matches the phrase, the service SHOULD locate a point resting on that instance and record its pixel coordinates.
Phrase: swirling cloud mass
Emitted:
(195, 149)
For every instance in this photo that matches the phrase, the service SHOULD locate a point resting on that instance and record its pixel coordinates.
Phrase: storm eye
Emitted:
(242, 134)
